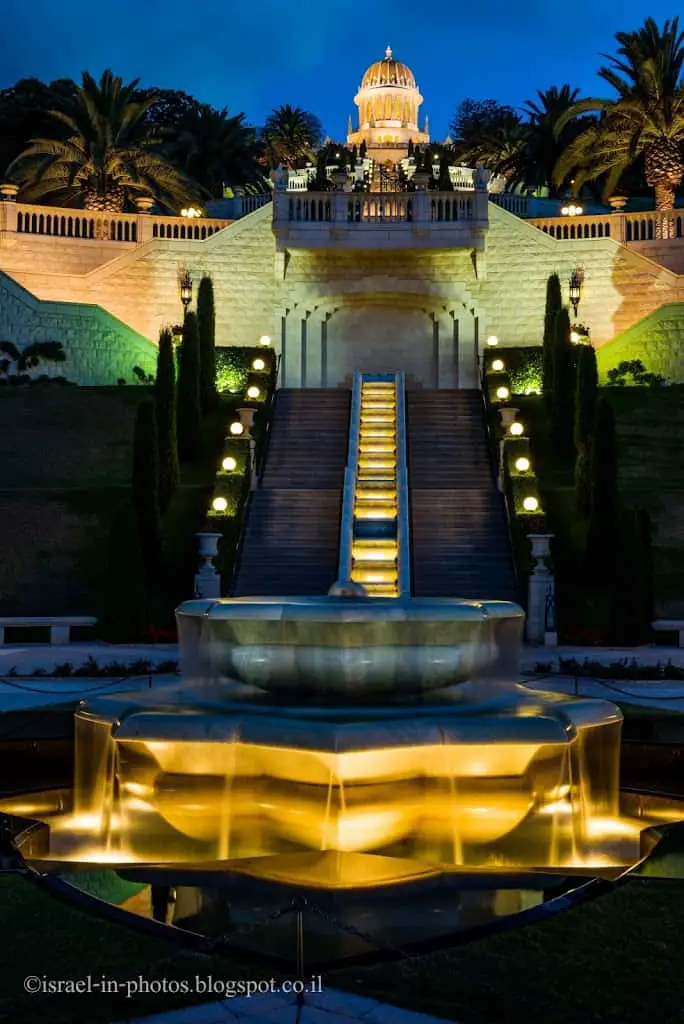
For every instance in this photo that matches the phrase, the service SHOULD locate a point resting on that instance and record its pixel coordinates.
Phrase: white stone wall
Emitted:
(502, 294)
(100, 349)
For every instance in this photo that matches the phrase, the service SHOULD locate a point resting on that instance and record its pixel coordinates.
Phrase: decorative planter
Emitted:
(421, 180)
(8, 192)
(541, 550)
(144, 204)
(247, 418)
(508, 416)
(617, 203)
(339, 180)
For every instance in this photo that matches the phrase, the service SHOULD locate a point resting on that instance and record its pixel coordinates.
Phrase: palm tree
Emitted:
(291, 135)
(646, 118)
(214, 148)
(107, 157)
(543, 147)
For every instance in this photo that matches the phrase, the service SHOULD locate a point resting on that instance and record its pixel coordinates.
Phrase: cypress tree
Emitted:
(586, 391)
(124, 606)
(165, 409)
(206, 325)
(410, 147)
(189, 392)
(554, 304)
(563, 384)
(321, 182)
(363, 149)
(602, 534)
(445, 183)
(145, 486)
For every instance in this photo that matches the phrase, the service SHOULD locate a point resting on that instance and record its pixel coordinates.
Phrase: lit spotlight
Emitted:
(522, 464)
(229, 464)
(237, 428)
(219, 504)
(516, 429)
(492, 340)
(253, 392)
(258, 364)
(502, 393)
(530, 504)
(498, 365)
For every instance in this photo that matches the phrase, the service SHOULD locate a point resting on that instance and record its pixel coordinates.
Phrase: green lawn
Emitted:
(616, 960)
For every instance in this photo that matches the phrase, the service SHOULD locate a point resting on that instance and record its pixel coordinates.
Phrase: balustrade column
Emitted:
(447, 351)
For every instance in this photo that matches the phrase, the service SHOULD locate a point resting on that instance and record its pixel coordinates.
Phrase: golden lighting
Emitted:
(265, 339)
(530, 504)
(492, 340)
(219, 504)
(574, 337)
(522, 464)
(229, 464)
(516, 429)
(502, 393)
(258, 364)
(498, 365)
(253, 392)
(237, 428)
(571, 210)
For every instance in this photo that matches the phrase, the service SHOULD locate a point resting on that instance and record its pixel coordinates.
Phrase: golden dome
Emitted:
(388, 72)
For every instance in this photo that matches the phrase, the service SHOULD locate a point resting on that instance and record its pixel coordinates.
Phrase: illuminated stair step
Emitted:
(370, 549)
(385, 407)
(370, 494)
(377, 419)
(375, 511)
(377, 434)
(378, 464)
(381, 590)
(376, 448)
(373, 576)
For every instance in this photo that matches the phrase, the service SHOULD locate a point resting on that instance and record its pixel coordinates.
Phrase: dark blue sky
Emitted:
(253, 56)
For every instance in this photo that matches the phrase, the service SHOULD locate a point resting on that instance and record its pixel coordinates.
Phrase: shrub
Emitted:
(234, 367)
(563, 383)
(602, 540)
(634, 368)
(206, 323)
(585, 410)
(189, 436)
(633, 599)
(554, 304)
(526, 371)
(166, 414)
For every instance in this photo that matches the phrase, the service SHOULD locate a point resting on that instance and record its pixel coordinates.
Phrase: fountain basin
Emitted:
(342, 646)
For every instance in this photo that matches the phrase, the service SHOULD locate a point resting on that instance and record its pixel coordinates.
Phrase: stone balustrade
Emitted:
(646, 226)
(380, 219)
(87, 225)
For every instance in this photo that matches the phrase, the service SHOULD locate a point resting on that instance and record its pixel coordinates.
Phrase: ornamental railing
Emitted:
(647, 226)
(88, 225)
(349, 209)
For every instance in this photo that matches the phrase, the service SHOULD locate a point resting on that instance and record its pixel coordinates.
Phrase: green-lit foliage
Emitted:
(189, 392)
(165, 409)
(124, 605)
(554, 304)
(145, 486)
(232, 488)
(234, 370)
(526, 371)
(206, 325)
(525, 487)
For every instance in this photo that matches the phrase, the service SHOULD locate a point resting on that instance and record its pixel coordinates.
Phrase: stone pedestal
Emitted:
(541, 602)
(207, 580)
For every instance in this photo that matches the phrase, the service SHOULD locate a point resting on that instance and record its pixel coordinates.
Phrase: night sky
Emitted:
(253, 56)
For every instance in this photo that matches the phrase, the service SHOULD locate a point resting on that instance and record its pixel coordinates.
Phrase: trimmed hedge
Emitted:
(234, 371)
(523, 365)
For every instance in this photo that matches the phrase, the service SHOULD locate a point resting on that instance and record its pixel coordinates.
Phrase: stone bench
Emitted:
(59, 625)
(670, 626)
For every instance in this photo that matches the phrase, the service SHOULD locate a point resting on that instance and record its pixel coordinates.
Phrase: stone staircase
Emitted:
(460, 542)
(291, 539)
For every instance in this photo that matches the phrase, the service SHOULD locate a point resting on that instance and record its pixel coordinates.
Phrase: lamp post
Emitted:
(185, 288)
(576, 281)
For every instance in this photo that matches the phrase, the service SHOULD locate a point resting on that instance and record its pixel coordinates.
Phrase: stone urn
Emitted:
(421, 179)
(508, 416)
(247, 418)
(8, 192)
(617, 203)
(144, 204)
(339, 179)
